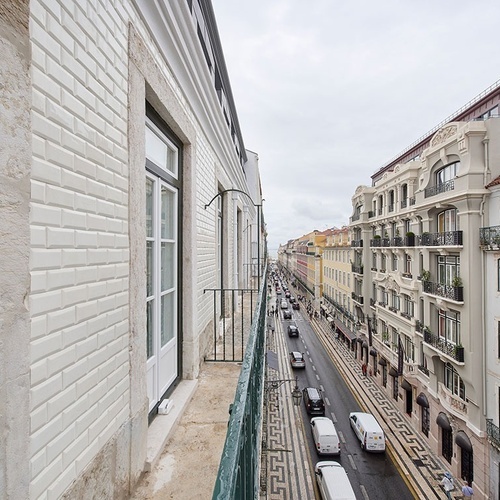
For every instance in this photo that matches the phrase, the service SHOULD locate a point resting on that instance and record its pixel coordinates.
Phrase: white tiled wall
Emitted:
(79, 227)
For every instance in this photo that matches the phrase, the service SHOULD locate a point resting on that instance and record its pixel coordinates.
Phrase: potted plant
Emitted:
(456, 281)
(425, 238)
(426, 275)
(459, 353)
(410, 239)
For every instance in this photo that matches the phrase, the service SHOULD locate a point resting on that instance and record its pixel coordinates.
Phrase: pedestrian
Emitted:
(447, 484)
(467, 490)
(363, 369)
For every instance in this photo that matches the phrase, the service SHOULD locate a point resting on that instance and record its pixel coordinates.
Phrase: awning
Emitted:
(463, 441)
(323, 307)
(422, 400)
(365, 344)
(345, 331)
(443, 422)
(393, 372)
(406, 385)
(382, 362)
(373, 351)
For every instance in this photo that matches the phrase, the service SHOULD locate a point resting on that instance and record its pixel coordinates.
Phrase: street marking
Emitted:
(317, 377)
(341, 436)
(363, 490)
(353, 465)
(334, 418)
(327, 402)
(322, 388)
(313, 367)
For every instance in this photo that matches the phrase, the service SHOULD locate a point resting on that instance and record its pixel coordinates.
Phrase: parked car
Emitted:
(295, 305)
(293, 331)
(368, 431)
(313, 401)
(325, 436)
(287, 314)
(287, 294)
(291, 299)
(297, 359)
(284, 304)
(333, 482)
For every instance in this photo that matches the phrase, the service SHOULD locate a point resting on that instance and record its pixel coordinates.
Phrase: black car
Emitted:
(287, 314)
(293, 331)
(295, 305)
(313, 401)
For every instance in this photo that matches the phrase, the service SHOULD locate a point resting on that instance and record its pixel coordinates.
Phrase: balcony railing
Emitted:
(356, 269)
(355, 217)
(357, 243)
(379, 211)
(358, 298)
(489, 237)
(493, 433)
(386, 242)
(376, 242)
(371, 213)
(419, 326)
(397, 241)
(448, 238)
(439, 188)
(373, 302)
(412, 201)
(423, 369)
(452, 350)
(447, 291)
(404, 203)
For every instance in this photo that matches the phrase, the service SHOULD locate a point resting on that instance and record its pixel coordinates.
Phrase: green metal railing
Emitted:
(238, 476)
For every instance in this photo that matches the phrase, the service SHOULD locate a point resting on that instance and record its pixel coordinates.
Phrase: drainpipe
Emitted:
(483, 274)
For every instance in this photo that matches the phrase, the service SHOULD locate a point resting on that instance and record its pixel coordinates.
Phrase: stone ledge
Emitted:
(163, 426)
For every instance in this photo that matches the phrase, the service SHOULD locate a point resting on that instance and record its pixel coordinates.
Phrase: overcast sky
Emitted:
(327, 92)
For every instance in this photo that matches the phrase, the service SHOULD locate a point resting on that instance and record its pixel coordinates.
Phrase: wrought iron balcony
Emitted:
(358, 298)
(376, 242)
(447, 291)
(386, 242)
(412, 201)
(452, 350)
(357, 269)
(439, 188)
(357, 243)
(404, 203)
(419, 326)
(489, 237)
(391, 207)
(423, 369)
(380, 211)
(373, 302)
(355, 217)
(493, 433)
(448, 238)
(371, 213)
(397, 241)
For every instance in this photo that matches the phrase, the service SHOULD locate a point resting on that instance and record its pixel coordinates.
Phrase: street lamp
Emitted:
(296, 392)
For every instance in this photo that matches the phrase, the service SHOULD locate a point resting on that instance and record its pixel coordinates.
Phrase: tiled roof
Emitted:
(494, 182)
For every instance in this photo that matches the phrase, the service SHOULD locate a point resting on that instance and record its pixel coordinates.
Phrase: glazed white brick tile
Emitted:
(38, 281)
(82, 461)
(71, 452)
(38, 418)
(73, 181)
(44, 346)
(38, 327)
(59, 486)
(74, 373)
(85, 348)
(72, 296)
(85, 203)
(39, 372)
(59, 115)
(47, 43)
(38, 463)
(57, 155)
(45, 128)
(61, 402)
(86, 311)
(40, 484)
(58, 32)
(94, 154)
(74, 334)
(86, 239)
(84, 167)
(48, 432)
(96, 222)
(69, 63)
(73, 143)
(87, 274)
(58, 320)
(42, 392)
(71, 257)
(60, 237)
(42, 303)
(57, 445)
(43, 171)
(72, 218)
(72, 104)
(60, 278)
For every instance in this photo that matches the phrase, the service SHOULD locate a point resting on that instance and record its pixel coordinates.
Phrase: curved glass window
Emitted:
(447, 173)
(453, 381)
(448, 221)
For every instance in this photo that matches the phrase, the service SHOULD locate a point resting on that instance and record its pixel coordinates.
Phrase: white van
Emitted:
(333, 482)
(325, 436)
(368, 431)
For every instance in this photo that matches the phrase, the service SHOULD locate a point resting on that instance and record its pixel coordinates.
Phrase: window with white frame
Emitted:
(448, 220)
(453, 381)
(449, 326)
(395, 300)
(408, 264)
(448, 268)
(374, 260)
(162, 260)
(394, 261)
(447, 173)
(408, 306)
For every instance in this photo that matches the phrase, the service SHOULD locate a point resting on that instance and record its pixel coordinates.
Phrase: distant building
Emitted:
(424, 235)
(128, 199)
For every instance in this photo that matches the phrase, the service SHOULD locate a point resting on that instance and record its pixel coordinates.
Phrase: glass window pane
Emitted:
(149, 268)
(149, 208)
(149, 328)
(167, 318)
(156, 149)
(167, 266)
(167, 213)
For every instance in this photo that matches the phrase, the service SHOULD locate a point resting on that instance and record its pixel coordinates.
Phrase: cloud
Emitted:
(328, 92)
